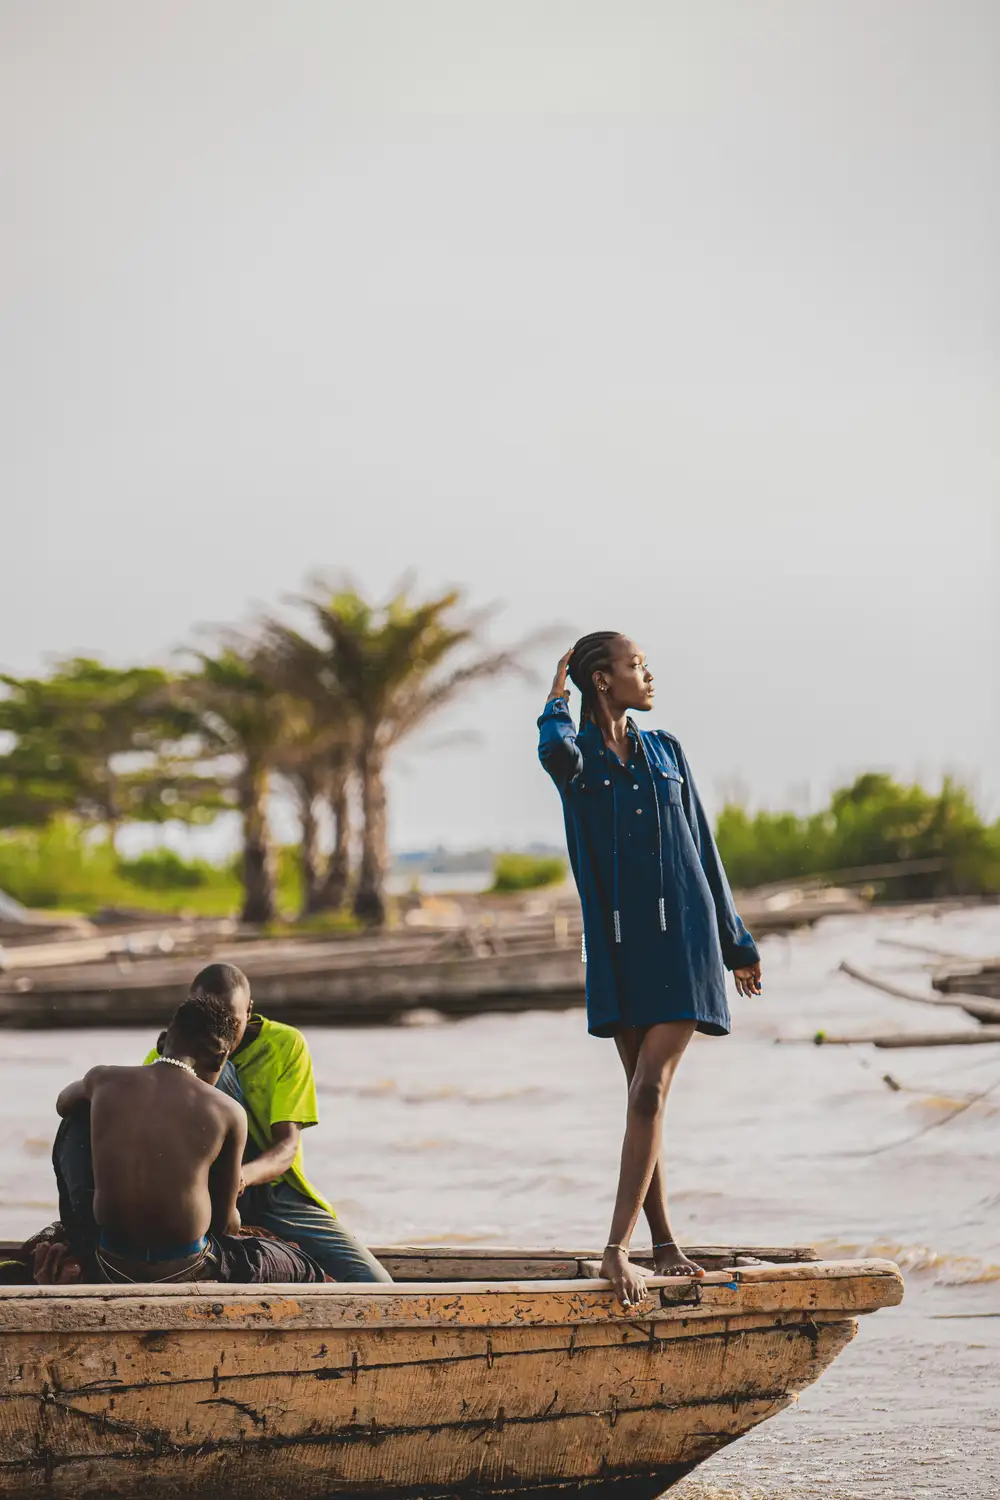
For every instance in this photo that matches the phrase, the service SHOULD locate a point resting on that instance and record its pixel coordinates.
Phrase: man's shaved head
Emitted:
(225, 985)
(220, 981)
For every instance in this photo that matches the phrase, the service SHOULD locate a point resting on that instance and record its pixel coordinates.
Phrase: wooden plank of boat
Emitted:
(466, 1388)
(440, 1263)
(98, 947)
(515, 1263)
(970, 978)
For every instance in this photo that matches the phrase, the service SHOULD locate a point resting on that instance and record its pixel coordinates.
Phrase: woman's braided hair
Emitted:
(592, 653)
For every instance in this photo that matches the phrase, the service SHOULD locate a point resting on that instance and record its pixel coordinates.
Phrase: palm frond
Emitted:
(429, 698)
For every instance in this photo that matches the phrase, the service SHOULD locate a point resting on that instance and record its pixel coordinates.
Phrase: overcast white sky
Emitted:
(675, 318)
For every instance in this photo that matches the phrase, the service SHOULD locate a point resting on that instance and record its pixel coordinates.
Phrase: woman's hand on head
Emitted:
(748, 980)
(559, 689)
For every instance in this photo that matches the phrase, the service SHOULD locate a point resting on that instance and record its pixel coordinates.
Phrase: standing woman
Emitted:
(658, 915)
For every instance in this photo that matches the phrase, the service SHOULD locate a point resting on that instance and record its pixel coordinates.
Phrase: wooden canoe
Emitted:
(520, 962)
(483, 1373)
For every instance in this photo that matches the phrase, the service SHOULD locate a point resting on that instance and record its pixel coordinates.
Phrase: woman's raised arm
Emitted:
(557, 747)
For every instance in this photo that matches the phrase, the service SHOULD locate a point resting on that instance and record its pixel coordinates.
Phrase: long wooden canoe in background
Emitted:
(507, 957)
(485, 1373)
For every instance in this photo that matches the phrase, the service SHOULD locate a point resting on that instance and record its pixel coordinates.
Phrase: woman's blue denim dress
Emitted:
(659, 923)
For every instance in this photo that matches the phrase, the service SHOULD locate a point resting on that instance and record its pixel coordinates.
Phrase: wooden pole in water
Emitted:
(977, 1005)
(914, 1039)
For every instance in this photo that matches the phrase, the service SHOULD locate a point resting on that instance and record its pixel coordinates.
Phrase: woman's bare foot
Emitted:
(670, 1260)
(628, 1282)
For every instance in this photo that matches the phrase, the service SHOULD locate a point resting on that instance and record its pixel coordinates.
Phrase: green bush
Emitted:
(771, 846)
(60, 866)
(165, 870)
(56, 866)
(526, 872)
(874, 821)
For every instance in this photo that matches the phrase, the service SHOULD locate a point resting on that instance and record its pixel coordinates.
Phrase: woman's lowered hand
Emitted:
(559, 689)
(748, 980)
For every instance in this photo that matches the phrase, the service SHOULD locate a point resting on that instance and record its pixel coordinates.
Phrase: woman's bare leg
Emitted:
(660, 1050)
(668, 1258)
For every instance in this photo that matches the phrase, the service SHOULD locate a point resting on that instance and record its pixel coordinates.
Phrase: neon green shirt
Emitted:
(276, 1075)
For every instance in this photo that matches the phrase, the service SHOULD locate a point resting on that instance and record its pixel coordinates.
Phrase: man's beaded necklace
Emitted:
(175, 1062)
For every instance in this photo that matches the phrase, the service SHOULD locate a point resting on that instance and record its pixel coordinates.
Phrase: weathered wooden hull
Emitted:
(320, 993)
(431, 1389)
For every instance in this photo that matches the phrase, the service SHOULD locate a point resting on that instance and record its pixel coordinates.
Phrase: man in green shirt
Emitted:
(270, 1073)
(165, 1199)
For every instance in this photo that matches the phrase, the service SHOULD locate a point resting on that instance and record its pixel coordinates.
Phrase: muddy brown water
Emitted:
(506, 1129)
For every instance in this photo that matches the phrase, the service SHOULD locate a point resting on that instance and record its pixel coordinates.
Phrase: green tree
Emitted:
(31, 788)
(97, 742)
(390, 667)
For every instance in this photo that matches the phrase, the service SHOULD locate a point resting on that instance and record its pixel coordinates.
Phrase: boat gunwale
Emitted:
(772, 1254)
(822, 1270)
(779, 1254)
(813, 1288)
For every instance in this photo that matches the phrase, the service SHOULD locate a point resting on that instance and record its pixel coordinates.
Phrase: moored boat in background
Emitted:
(490, 955)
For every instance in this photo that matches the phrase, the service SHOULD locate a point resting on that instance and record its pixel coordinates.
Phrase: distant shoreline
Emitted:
(443, 861)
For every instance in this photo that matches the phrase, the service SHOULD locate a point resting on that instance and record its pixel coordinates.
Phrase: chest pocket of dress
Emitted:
(670, 784)
(593, 792)
(591, 786)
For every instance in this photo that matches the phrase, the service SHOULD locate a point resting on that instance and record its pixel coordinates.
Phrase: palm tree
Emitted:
(240, 717)
(389, 666)
(317, 759)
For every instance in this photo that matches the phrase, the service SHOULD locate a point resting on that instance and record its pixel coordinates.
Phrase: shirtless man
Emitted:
(167, 1151)
(270, 1074)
